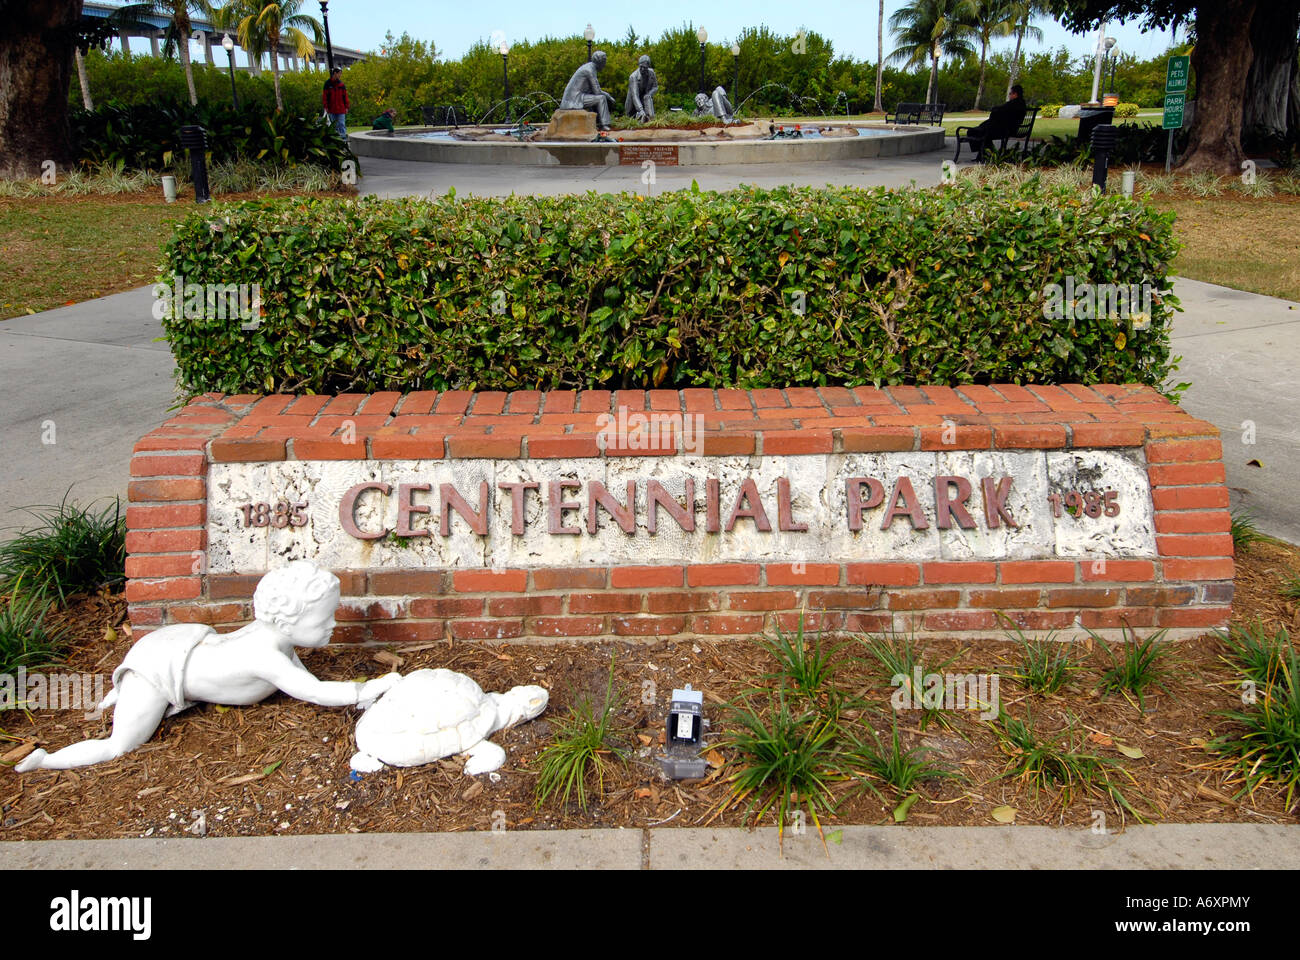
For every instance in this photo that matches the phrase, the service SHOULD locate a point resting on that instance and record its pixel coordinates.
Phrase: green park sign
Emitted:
(1173, 118)
(1176, 74)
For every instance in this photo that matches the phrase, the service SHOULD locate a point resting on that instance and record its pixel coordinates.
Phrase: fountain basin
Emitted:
(849, 141)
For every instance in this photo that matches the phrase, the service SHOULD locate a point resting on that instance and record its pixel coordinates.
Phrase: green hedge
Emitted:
(685, 288)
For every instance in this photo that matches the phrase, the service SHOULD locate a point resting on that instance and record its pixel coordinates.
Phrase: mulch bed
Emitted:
(281, 766)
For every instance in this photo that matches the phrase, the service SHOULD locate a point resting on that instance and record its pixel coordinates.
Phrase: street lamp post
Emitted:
(505, 73)
(329, 48)
(703, 36)
(1114, 61)
(735, 73)
(228, 45)
(589, 35)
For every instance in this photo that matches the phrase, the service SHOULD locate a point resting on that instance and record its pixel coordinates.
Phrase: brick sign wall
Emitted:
(697, 512)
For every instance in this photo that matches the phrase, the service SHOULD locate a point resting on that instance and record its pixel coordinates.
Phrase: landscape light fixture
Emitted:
(228, 45)
(329, 48)
(703, 36)
(504, 50)
(735, 73)
(684, 738)
(589, 35)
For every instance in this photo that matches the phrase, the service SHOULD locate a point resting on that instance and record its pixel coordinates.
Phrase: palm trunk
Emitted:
(1015, 59)
(979, 91)
(934, 77)
(880, 57)
(275, 72)
(88, 103)
(183, 43)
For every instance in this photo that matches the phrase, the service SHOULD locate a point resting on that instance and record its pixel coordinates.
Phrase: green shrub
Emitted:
(1049, 111)
(1126, 110)
(747, 288)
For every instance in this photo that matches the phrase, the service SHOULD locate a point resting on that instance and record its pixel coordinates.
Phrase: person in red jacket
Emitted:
(335, 99)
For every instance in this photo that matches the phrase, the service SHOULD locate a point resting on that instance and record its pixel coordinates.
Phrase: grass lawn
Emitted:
(60, 250)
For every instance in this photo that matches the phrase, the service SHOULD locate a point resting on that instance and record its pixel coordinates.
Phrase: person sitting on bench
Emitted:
(1003, 122)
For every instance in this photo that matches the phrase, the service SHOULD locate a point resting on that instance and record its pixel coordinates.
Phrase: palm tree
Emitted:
(1023, 11)
(929, 29)
(96, 32)
(880, 56)
(178, 32)
(266, 25)
(988, 19)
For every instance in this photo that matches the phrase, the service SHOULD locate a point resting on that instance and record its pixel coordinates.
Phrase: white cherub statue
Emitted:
(169, 670)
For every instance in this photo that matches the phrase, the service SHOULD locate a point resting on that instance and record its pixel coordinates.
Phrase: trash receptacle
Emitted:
(1090, 117)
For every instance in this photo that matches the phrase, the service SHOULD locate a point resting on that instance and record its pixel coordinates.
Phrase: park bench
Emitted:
(1023, 133)
(932, 112)
(907, 113)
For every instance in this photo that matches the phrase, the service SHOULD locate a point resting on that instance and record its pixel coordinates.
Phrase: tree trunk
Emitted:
(275, 73)
(979, 91)
(1015, 59)
(1268, 84)
(1221, 60)
(36, 46)
(86, 102)
(880, 57)
(183, 42)
(934, 77)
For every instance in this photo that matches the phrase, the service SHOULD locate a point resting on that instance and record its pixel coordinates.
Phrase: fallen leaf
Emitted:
(1254, 463)
(246, 778)
(714, 759)
(900, 811)
(645, 741)
(473, 790)
(1101, 738)
(1209, 792)
(835, 836)
(271, 768)
(642, 793)
(1132, 753)
(110, 634)
(1198, 741)
(1004, 814)
(504, 656)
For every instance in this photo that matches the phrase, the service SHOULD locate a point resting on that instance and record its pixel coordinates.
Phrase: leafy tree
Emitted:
(1023, 11)
(988, 19)
(264, 26)
(930, 29)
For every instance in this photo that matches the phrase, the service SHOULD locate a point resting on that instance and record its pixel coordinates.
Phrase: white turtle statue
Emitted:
(431, 714)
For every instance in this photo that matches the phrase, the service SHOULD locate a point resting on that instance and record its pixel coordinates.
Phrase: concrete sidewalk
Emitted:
(1164, 847)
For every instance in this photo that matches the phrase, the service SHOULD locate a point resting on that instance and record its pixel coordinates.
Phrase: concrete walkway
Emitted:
(1164, 847)
(95, 372)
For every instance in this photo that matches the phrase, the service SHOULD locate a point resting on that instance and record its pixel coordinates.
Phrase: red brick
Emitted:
(177, 588)
(595, 401)
(923, 599)
(484, 447)
(699, 400)
(734, 624)
(960, 572)
(722, 574)
(1184, 426)
(406, 631)
(570, 578)
(727, 444)
(762, 600)
(876, 439)
(960, 620)
(222, 586)
(648, 626)
(172, 515)
(566, 626)
(1220, 569)
(1216, 593)
(789, 442)
(486, 629)
(868, 622)
(418, 446)
(1107, 434)
(165, 541)
(607, 602)
(646, 576)
(185, 441)
(884, 574)
(488, 581)
(563, 446)
(1160, 596)
(1184, 451)
(402, 582)
(691, 602)
(1083, 597)
(1035, 436)
(525, 606)
(1193, 616)
(1037, 571)
(171, 565)
(352, 583)
(1037, 619)
(999, 599)
(251, 450)
(176, 465)
(166, 488)
(142, 616)
(1118, 617)
(307, 448)
(209, 613)
(366, 609)
(1126, 571)
(812, 620)
(1214, 545)
(794, 574)
(1194, 521)
(956, 437)
(447, 607)
(1185, 474)
(1189, 498)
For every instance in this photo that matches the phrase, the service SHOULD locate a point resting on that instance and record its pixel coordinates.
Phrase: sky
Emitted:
(850, 26)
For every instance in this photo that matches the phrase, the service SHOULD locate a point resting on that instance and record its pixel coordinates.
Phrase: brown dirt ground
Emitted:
(212, 759)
